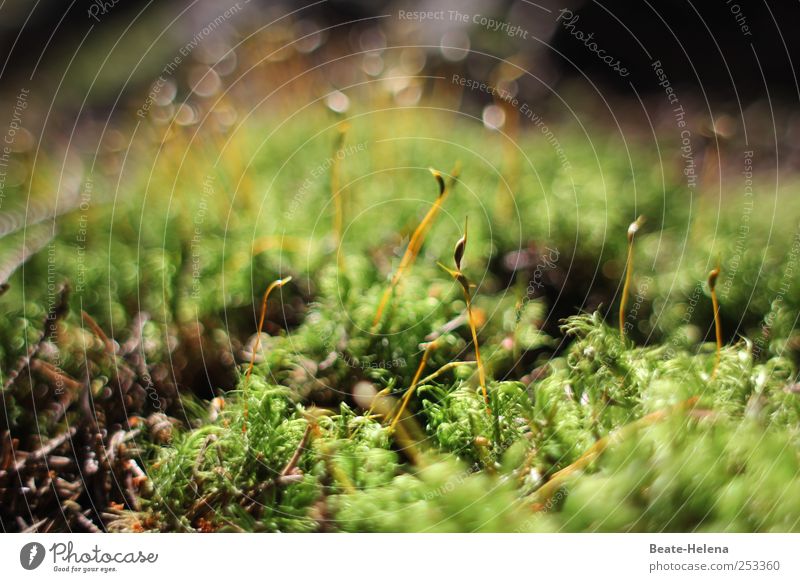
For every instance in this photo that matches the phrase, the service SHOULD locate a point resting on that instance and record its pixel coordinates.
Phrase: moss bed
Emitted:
(129, 331)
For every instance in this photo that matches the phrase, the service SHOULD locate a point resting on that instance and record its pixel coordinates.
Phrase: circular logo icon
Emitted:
(31, 555)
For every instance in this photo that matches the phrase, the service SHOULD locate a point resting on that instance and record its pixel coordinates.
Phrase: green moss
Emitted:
(199, 259)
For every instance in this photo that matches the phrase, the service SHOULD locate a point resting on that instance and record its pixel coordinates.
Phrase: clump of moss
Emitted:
(588, 426)
(480, 472)
(443, 497)
(217, 477)
(701, 473)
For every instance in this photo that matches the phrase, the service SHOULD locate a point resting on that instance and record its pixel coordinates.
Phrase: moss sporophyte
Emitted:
(466, 287)
(366, 395)
(417, 238)
(274, 285)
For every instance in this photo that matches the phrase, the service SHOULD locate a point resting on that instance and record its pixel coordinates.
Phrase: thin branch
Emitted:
(45, 450)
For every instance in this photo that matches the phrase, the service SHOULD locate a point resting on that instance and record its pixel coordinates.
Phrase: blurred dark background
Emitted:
(725, 51)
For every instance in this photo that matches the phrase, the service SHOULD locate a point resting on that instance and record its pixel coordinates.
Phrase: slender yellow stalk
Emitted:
(473, 329)
(410, 392)
(370, 412)
(447, 367)
(336, 194)
(339, 476)
(712, 285)
(507, 185)
(557, 480)
(458, 255)
(417, 239)
(257, 345)
(623, 303)
(404, 431)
